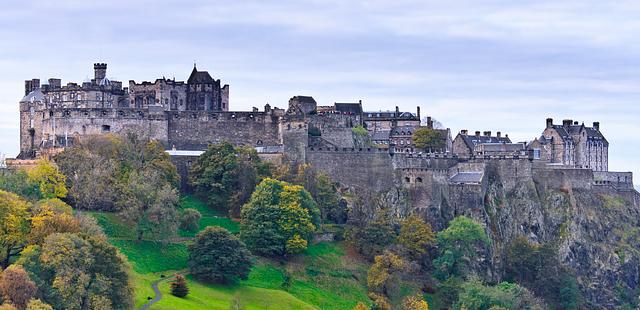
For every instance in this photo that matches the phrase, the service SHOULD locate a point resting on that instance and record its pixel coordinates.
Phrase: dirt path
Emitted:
(154, 285)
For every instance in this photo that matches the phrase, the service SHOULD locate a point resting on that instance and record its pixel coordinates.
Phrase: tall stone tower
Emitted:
(100, 70)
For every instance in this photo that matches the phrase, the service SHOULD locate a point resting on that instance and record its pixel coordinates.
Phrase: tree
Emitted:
(100, 166)
(179, 286)
(51, 216)
(14, 226)
(415, 236)
(279, 219)
(74, 272)
(151, 203)
(16, 287)
(218, 256)
(323, 190)
(190, 219)
(360, 306)
(37, 304)
(459, 244)
(414, 303)
(225, 176)
(474, 295)
(18, 182)
(374, 237)
(537, 267)
(51, 182)
(425, 138)
(383, 276)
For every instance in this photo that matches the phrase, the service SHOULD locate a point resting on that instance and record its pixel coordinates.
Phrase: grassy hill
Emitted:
(325, 277)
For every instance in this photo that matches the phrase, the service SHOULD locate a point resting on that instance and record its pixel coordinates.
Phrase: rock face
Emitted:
(597, 227)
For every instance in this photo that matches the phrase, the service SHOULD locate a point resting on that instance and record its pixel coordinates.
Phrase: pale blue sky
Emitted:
(477, 65)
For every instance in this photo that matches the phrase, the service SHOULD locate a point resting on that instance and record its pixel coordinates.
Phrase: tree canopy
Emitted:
(425, 138)
(14, 226)
(74, 272)
(225, 176)
(218, 256)
(459, 244)
(279, 219)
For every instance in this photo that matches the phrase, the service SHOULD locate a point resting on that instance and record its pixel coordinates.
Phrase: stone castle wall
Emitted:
(194, 130)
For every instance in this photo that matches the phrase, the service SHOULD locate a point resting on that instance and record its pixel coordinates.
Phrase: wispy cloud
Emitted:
(499, 65)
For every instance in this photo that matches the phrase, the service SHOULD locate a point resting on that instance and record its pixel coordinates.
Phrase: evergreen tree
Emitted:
(179, 286)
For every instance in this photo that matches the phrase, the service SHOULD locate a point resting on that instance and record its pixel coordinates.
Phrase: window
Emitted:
(419, 180)
(106, 128)
(536, 153)
(407, 179)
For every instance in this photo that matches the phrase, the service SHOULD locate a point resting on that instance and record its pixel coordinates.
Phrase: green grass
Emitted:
(150, 256)
(323, 277)
(210, 217)
(113, 225)
(212, 296)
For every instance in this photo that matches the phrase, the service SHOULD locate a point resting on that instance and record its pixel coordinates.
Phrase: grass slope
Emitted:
(324, 277)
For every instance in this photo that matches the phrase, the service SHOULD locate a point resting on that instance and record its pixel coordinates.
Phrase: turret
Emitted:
(100, 71)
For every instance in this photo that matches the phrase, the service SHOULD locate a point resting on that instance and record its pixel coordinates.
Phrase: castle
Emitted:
(188, 116)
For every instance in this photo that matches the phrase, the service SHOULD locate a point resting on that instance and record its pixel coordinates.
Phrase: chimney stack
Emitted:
(596, 126)
(418, 112)
(31, 85)
(498, 134)
(567, 123)
(100, 71)
(429, 122)
(478, 133)
(397, 111)
(464, 132)
(549, 122)
(487, 133)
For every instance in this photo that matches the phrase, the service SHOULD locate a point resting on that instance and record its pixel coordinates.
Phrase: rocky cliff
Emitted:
(597, 227)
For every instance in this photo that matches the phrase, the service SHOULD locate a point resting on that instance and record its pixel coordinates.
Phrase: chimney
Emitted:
(567, 123)
(429, 122)
(487, 133)
(498, 134)
(418, 112)
(549, 122)
(576, 123)
(464, 132)
(397, 111)
(31, 85)
(100, 70)
(596, 126)
(267, 107)
(55, 83)
(478, 133)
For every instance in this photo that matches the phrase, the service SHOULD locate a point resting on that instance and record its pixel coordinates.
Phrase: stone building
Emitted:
(205, 93)
(466, 145)
(572, 144)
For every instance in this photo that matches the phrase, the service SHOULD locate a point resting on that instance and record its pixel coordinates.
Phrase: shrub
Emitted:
(179, 286)
(218, 256)
(190, 220)
(37, 304)
(16, 286)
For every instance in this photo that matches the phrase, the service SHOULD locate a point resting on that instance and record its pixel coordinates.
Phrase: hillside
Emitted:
(324, 277)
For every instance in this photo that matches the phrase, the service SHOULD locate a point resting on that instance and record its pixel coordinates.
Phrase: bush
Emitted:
(37, 304)
(459, 244)
(179, 286)
(218, 256)
(372, 239)
(190, 220)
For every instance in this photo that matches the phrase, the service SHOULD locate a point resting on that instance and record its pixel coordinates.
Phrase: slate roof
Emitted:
(467, 177)
(304, 99)
(199, 77)
(567, 132)
(380, 135)
(352, 108)
(35, 95)
(472, 140)
(372, 115)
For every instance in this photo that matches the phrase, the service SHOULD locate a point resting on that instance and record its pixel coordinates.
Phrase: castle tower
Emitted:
(100, 71)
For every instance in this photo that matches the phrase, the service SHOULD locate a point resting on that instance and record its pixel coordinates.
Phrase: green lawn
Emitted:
(210, 217)
(323, 278)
